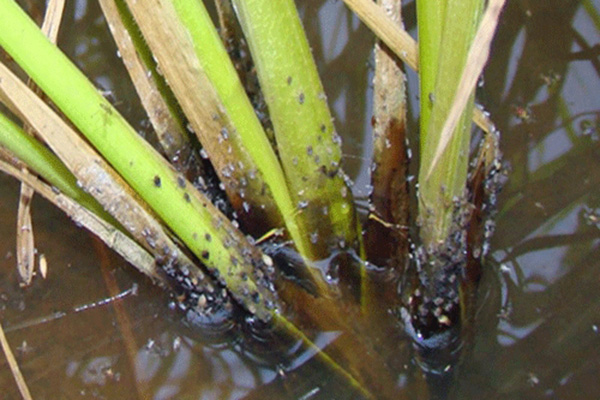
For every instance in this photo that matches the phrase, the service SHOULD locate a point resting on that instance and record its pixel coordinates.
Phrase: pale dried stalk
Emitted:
(202, 106)
(111, 236)
(226, 20)
(52, 19)
(9, 157)
(401, 43)
(25, 242)
(170, 132)
(389, 199)
(14, 367)
(476, 60)
(396, 38)
(95, 175)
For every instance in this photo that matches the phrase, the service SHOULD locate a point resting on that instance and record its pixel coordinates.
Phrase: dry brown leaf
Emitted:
(389, 199)
(25, 239)
(226, 19)
(52, 19)
(161, 26)
(169, 131)
(113, 237)
(94, 175)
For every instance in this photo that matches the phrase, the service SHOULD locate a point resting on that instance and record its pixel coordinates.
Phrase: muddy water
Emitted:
(538, 319)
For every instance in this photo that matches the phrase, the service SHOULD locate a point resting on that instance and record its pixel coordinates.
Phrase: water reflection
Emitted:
(545, 253)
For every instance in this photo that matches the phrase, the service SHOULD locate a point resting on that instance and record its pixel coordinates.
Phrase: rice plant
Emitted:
(243, 204)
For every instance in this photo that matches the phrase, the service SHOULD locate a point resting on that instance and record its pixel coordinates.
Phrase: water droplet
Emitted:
(337, 139)
(267, 260)
(533, 380)
(226, 172)
(246, 206)
(314, 237)
(224, 133)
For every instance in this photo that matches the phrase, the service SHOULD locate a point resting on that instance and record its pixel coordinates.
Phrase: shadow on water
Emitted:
(538, 316)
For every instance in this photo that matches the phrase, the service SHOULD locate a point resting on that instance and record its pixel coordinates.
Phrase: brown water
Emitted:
(538, 320)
